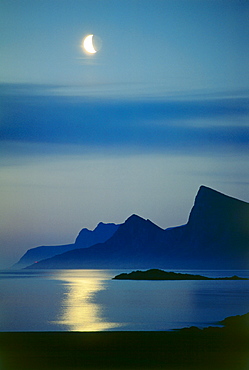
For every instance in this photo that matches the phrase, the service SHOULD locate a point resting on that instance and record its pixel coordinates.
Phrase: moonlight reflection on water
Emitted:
(90, 300)
(79, 311)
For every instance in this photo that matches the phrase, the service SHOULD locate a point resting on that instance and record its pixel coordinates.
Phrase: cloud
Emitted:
(148, 124)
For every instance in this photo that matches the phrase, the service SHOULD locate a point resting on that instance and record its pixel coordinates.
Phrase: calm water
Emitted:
(89, 300)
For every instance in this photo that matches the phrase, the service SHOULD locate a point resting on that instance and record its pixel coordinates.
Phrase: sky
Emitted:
(161, 109)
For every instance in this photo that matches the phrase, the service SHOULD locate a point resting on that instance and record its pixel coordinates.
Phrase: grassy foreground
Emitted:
(192, 349)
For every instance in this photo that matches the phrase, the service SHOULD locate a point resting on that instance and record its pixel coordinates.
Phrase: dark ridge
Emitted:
(216, 236)
(85, 238)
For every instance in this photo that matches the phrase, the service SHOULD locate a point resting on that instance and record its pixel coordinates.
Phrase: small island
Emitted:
(156, 274)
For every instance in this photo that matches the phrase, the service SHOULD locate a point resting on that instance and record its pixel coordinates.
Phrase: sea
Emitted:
(90, 301)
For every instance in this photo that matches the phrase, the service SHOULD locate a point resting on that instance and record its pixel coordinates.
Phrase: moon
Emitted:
(87, 44)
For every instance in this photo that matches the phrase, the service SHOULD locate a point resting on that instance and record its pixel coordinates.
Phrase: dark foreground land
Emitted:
(187, 349)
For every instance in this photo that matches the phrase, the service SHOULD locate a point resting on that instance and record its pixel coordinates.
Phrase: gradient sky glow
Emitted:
(137, 127)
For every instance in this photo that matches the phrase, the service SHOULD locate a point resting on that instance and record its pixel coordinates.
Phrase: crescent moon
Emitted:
(88, 44)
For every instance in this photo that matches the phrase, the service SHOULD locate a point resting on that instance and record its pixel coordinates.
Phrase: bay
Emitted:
(89, 300)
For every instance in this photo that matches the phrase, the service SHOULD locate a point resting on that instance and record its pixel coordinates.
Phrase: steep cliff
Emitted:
(215, 236)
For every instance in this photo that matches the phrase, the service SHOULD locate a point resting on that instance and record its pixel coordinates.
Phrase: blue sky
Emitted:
(135, 128)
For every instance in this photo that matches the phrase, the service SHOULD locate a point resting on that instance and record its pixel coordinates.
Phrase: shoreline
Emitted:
(184, 349)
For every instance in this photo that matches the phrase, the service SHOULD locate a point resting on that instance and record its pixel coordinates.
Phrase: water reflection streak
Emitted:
(79, 310)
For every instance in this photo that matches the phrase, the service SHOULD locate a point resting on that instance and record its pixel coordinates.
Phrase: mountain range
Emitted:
(85, 239)
(216, 236)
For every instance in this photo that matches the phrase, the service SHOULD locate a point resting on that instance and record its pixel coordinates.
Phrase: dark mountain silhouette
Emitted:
(215, 236)
(100, 234)
(85, 239)
(128, 245)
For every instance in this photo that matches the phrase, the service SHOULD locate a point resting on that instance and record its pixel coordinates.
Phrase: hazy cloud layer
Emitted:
(150, 124)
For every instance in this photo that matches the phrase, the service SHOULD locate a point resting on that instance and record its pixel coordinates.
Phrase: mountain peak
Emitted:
(208, 195)
(214, 216)
(134, 218)
(100, 234)
(205, 190)
(135, 224)
(137, 221)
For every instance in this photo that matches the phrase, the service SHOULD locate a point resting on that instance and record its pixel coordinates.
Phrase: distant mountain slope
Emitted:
(100, 234)
(130, 243)
(86, 238)
(215, 236)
